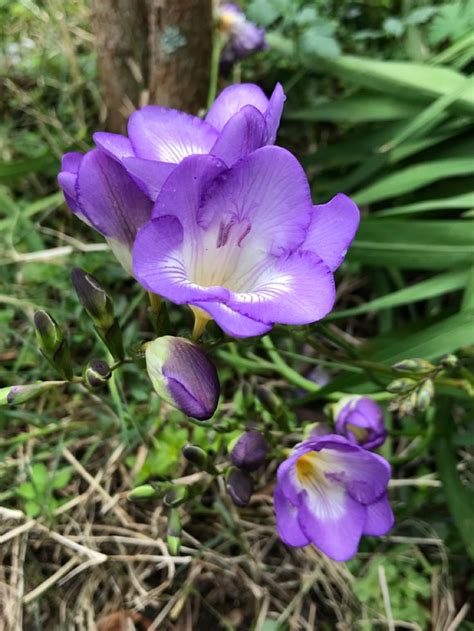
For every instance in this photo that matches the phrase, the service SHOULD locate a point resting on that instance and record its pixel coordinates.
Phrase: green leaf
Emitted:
(26, 491)
(436, 286)
(414, 177)
(443, 203)
(40, 477)
(413, 244)
(357, 108)
(61, 478)
(412, 80)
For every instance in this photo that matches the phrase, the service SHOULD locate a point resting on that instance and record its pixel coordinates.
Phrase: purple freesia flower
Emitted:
(329, 493)
(245, 246)
(110, 187)
(243, 37)
(361, 421)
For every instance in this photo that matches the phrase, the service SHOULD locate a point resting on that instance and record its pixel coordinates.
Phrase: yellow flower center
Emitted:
(306, 466)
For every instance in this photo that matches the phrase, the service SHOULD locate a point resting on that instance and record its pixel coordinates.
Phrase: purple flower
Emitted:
(110, 187)
(361, 421)
(329, 493)
(183, 376)
(245, 246)
(243, 37)
(250, 451)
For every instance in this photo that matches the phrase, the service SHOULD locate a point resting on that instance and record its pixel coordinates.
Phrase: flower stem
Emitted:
(214, 75)
(200, 323)
(285, 370)
(155, 302)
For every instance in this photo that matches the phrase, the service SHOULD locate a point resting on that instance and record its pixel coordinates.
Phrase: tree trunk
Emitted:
(152, 51)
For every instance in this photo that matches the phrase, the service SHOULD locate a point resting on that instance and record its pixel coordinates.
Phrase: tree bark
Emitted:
(152, 51)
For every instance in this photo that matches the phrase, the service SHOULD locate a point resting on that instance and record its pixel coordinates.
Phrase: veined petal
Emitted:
(231, 322)
(150, 175)
(287, 523)
(233, 99)
(269, 191)
(332, 229)
(333, 521)
(379, 518)
(243, 133)
(159, 266)
(109, 198)
(293, 289)
(114, 145)
(67, 178)
(159, 133)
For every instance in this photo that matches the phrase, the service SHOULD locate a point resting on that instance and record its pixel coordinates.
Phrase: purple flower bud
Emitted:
(240, 487)
(244, 37)
(183, 376)
(361, 421)
(250, 451)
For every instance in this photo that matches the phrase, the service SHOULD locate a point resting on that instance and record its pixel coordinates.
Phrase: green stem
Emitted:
(214, 75)
(282, 367)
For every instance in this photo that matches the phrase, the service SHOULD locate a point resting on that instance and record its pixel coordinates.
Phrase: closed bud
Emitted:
(450, 361)
(414, 366)
(195, 455)
(402, 386)
(176, 496)
(96, 373)
(240, 487)
(361, 421)
(143, 493)
(93, 298)
(14, 395)
(173, 538)
(268, 399)
(425, 395)
(250, 451)
(183, 376)
(52, 343)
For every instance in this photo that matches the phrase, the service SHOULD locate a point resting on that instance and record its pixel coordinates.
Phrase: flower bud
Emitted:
(143, 493)
(402, 386)
(415, 366)
(14, 395)
(449, 361)
(176, 495)
(183, 376)
(360, 420)
(52, 343)
(198, 457)
(268, 399)
(96, 373)
(173, 538)
(250, 451)
(93, 298)
(240, 487)
(425, 395)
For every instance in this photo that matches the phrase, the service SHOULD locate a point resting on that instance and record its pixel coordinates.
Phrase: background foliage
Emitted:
(380, 106)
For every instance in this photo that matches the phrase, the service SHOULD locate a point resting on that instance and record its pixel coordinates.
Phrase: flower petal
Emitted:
(159, 133)
(287, 523)
(332, 229)
(269, 191)
(70, 164)
(333, 522)
(150, 175)
(294, 289)
(109, 198)
(231, 322)
(114, 145)
(159, 266)
(233, 99)
(273, 113)
(379, 518)
(241, 135)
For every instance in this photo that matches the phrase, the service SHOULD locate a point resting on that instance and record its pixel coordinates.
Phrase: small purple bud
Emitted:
(361, 421)
(243, 37)
(250, 451)
(240, 487)
(183, 376)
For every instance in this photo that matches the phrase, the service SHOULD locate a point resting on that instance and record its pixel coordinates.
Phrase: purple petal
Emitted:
(159, 133)
(233, 99)
(333, 522)
(67, 178)
(294, 289)
(287, 523)
(114, 145)
(333, 227)
(150, 175)
(273, 113)
(268, 191)
(232, 322)
(159, 266)
(379, 518)
(365, 414)
(243, 133)
(109, 198)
